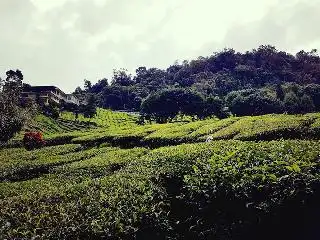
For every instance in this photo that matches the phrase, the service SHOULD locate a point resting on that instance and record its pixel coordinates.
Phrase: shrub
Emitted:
(33, 140)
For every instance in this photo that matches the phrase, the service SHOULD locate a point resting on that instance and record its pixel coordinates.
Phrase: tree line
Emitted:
(260, 81)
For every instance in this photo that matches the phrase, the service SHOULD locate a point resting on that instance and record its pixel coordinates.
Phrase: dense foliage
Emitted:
(12, 114)
(223, 190)
(109, 178)
(260, 81)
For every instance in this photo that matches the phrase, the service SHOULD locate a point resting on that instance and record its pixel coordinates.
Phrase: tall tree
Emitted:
(307, 104)
(78, 90)
(99, 86)
(292, 103)
(90, 109)
(12, 115)
(87, 85)
(121, 77)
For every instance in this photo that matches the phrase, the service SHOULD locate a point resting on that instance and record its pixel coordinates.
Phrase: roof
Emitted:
(40, 89)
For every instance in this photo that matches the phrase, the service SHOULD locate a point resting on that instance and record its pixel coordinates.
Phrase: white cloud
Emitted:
(45, 5)
(61, 42)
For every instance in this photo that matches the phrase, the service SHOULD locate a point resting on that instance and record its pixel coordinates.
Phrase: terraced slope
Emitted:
(109, 178)
(222, 190)
(267, 127)
(112, 128)
(49, 126)
(105, 118)
(66, 127)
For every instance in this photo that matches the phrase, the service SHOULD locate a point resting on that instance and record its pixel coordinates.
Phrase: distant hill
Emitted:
(261, 81)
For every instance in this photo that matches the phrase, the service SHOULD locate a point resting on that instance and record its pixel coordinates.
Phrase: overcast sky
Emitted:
(62, 42)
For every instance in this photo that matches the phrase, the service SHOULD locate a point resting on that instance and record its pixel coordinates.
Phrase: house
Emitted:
(46, 94)
(82, 98)
(72, 99)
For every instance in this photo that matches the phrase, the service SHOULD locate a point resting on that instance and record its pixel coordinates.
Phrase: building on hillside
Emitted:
(82, 98)
(72, 99)
(46, 94)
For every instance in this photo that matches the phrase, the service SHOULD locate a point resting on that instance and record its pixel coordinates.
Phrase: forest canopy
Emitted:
(264, 80)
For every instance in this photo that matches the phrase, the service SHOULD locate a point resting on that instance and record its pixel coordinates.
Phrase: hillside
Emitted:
(261, 81)
(114, 179)
(121, 129)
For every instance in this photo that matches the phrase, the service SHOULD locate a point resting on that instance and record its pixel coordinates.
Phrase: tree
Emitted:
(279, 92)
(78, 90)
(151, 78)
(121, 77)
(13, 83)
(191, 103)
(112, 101)
(306, 103)
(165, 104)
(245, 73)
(118, 97)
(14, 76)
(292, 103)
(162, 105)
(183, 77)
(243, 93)
(51, 110)
(224, 83)
(87, 85)
(313, 90)
(90, 109)
(99, 86)
(256, 103)
(213, 106)
(137, 103)
(172, 71)
(12, 115)
(70, 107)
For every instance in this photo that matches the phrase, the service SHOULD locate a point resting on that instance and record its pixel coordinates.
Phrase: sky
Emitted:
(63, 42)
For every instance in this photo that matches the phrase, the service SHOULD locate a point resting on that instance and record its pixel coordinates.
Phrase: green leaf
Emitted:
(272, 177)
(289, 168)
(195, 168)
(296, 168)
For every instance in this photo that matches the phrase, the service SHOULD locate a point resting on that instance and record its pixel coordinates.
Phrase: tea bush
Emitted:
(224, 190)
(106, 181)
(128, 134)
(105, 118)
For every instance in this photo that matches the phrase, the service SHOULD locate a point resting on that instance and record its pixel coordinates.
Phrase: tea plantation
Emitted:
(110, 178)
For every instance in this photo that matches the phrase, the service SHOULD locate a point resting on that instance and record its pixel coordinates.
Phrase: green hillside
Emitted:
(109, 178)
(121, 129)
